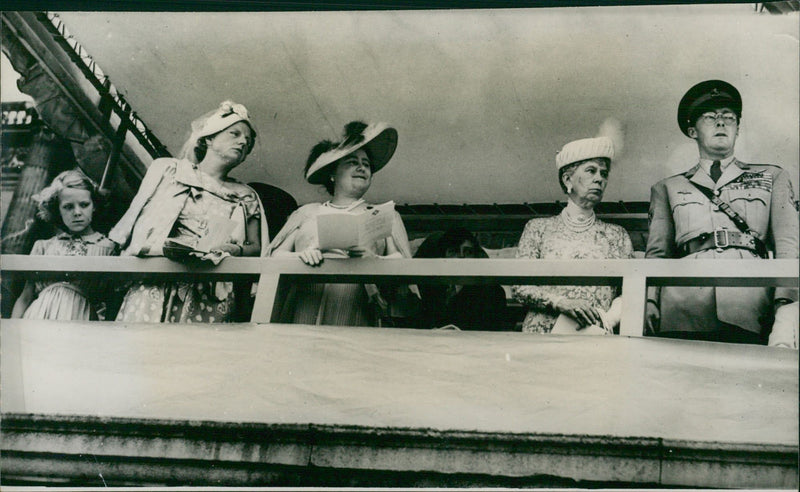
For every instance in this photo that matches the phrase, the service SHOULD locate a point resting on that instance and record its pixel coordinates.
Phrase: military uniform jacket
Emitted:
(762, 195)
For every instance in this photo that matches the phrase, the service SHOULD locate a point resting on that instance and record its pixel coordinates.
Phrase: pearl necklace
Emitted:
(345, 207)
(577, 224)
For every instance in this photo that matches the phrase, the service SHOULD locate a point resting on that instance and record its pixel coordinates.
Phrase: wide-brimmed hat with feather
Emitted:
(378, 139)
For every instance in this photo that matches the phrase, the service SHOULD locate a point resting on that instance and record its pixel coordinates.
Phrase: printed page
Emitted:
(376, 223)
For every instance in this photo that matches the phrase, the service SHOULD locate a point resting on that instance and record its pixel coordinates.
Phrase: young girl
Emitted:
(68, 203)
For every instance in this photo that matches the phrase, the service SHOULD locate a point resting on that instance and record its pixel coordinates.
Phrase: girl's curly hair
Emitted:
(48, 199)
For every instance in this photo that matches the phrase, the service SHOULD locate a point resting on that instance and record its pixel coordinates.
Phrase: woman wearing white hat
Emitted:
(346, 170)
(583, 169)
(190, 204)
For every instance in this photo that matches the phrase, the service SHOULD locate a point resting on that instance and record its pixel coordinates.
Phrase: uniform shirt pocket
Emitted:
(690, 213)
(753, 205)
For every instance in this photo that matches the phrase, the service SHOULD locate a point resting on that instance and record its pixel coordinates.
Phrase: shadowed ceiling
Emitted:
(482, 100)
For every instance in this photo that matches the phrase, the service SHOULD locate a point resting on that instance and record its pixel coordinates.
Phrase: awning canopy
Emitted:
(482, 99)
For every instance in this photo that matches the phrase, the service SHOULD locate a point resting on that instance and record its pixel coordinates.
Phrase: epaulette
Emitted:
(684, 173)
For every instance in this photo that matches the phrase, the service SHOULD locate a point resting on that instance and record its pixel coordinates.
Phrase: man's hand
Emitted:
(785, 329)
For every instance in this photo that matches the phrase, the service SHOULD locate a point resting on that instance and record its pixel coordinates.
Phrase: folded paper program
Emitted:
(217, 233)
(353, 229)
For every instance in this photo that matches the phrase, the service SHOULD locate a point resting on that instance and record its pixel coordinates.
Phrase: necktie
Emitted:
(716, 172)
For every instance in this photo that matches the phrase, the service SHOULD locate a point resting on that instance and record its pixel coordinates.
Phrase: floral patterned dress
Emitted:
(76, 299)
(550, 239)
(203, 302)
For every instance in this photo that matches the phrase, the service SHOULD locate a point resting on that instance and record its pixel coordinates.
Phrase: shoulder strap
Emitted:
(737, 219)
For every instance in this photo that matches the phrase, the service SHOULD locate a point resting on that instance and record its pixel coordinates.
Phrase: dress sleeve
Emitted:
(261, 215)
(622, 247)
(103, 247)
(252, 208)
(38, 248)
(293, 223)
(783, 221)
(121, 232)
(535, 296)
(783, 225)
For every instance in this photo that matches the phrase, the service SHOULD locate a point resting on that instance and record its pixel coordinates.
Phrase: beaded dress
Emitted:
(563, 237)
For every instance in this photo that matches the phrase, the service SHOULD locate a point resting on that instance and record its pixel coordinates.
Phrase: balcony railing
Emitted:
(633, 275)
(296, 405)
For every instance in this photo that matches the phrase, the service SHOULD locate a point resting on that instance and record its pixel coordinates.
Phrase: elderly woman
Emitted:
(190, 207)
(346, 170)
(468, 307)
(576, 233)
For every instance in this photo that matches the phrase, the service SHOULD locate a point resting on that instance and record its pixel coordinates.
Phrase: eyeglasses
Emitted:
(712, 118)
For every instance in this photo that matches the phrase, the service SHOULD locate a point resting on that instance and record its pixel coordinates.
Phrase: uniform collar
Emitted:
(705, 164)
(732, 169)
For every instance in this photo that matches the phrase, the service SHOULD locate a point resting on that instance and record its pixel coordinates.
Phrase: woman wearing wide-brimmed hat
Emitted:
(184, 204)
(583, 170)
(346, 170)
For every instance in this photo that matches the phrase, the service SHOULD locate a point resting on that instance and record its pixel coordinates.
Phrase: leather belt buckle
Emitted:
(721, 239)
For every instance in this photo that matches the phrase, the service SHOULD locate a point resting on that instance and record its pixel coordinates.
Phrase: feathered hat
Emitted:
(585, 148)
(378, 139)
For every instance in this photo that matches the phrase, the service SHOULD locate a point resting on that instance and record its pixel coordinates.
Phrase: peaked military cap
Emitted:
(707, 96)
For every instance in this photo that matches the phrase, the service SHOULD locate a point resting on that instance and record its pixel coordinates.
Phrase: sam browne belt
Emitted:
(719, 240)
(757, 244)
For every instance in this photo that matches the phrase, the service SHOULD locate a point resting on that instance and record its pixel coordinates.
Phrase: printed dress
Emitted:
(76, 299)
(550, 239)
(209, 203)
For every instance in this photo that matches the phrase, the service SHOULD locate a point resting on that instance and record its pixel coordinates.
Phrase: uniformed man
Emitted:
(685, 222)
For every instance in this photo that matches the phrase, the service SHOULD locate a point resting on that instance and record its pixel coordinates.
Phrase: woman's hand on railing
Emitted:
(232, 249)
(581, 311)
(214, 256)
(311, 256)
